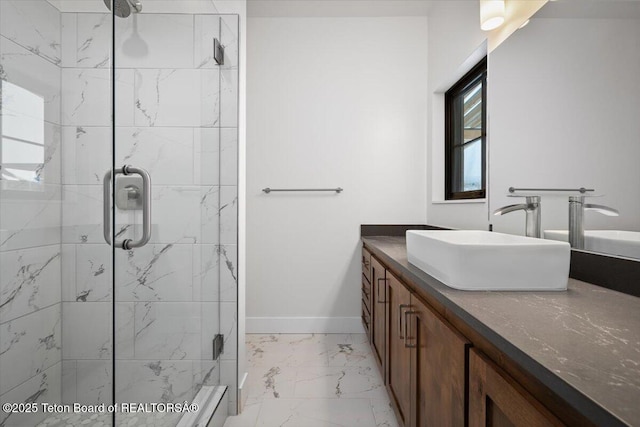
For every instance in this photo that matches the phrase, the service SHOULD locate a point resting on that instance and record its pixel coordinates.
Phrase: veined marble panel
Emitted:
(28, 76)
(167, 330)
(86, 97)
(93, 273)
(210, 218)
(87, 330)
(228, 156)
(228, 215)
(229, 329)
(216, 277)
(206, 167)
(30, 281)
(154, 380)
(166, 153)
(176, 97)
(176, 214)
(93, 40)
(155, 41)
(229, 97)
(29, 215)
(228, 255)
(44, 387)
(69, 391)
(82, 214)
(155, 273)
(33, 24)
(93, 381)
(29, 345)
(87, 154)
(125, 330)
(210, 328)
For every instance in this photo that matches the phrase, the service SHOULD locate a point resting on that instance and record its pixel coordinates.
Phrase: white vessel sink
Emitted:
(482, 260)
(614, 242)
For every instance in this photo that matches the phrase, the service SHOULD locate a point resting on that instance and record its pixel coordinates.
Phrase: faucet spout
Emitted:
(532, 209)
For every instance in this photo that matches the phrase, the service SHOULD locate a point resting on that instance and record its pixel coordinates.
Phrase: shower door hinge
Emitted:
(218, 346)
(218, 52)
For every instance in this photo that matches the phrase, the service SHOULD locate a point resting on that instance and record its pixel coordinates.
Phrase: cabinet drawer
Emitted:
(366, 264)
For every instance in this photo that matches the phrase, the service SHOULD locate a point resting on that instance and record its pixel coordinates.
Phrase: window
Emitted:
(465, 135)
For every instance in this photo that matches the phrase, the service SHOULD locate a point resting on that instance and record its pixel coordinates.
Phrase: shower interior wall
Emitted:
(175, 294)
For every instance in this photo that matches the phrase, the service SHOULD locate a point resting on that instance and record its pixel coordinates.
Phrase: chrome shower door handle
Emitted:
(146, 207)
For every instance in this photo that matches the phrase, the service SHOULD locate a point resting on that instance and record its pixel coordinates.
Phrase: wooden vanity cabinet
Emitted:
(497, 400)
(379, 314)
(426, 368)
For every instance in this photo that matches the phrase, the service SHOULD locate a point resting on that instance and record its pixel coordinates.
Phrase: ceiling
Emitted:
(337, 8)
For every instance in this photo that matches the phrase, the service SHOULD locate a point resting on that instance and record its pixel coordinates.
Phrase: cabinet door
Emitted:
(497, 400)
(438, 369)
(398, 368)
(378, 313)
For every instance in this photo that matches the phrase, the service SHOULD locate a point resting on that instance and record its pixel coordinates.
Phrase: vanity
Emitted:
(454, 357)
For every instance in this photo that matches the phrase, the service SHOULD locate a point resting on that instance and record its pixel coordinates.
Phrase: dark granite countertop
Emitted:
(583, 343)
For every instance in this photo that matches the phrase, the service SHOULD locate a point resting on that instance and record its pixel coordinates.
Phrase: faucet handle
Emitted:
(604, 210)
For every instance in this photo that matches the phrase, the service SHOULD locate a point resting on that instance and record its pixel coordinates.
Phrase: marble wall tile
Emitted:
(206, 273)
(228, 215)
(69, 37)
(68, 272)
(167, 330)
(210, 328)
(210, 217)
(155, 273)
(176, 214)
(69, 390)
(228, 256)
(30, 280)
(32, 76)
(93, 40)
(30, 216)
(86, 97)
(87, 330)
(125, 330)
(154, 380)
(206, 168)
(229, 97)
(94, 381)
(176, 97)
(93, 273)
(166, 153)
(87, 154)
(33, 24)
(206, 373)
(82, 214)
(230, 30)
(44, 387)
(155, 41)
(228, 156)
(37, 335)
(229, 328)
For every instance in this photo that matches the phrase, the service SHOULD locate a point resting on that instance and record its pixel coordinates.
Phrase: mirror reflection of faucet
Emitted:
(577, 206)
(532, 209)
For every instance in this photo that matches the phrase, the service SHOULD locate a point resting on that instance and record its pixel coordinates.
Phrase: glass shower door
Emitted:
(171, 123)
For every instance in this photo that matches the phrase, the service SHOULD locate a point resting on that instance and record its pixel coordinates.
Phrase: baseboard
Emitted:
(304, 325)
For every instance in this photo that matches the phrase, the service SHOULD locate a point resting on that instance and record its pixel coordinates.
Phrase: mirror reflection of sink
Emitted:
(614, 242)
(483, 260)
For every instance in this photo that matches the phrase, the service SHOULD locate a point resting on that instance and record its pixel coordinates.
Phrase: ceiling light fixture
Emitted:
(491, 14)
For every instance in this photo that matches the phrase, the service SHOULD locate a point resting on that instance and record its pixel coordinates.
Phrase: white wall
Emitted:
(563, 98)
(454, 37)
(331, 102)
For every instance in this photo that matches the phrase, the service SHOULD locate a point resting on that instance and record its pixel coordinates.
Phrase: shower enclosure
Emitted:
(118, 212)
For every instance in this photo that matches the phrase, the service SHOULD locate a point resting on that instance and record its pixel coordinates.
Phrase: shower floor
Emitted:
(104, 420)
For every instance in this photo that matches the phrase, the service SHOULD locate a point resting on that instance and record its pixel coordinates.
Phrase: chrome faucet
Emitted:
(577, 206)
(532, 209)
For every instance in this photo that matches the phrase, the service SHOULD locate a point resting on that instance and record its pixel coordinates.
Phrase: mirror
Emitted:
(564, 113)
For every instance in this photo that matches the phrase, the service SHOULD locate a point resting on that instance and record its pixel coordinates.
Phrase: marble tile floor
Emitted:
(313, 380)
(105, 420)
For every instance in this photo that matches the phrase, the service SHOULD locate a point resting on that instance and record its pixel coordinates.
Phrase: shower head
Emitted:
(123, 8)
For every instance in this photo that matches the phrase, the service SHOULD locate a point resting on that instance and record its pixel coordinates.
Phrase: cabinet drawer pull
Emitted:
(378, 292)
(400, 307)
(406, 335)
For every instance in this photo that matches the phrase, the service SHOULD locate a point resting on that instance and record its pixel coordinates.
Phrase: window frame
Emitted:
(477, 74)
